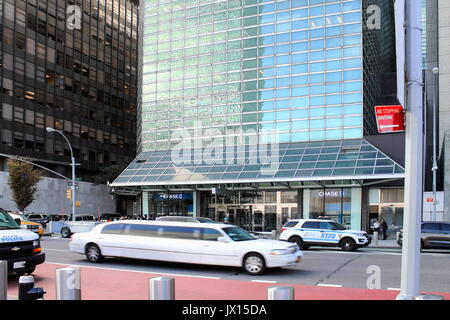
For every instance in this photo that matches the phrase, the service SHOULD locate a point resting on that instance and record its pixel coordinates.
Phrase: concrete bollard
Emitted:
(375, 239)
(3, 280)
(274, 234)
(429, 297)
(161, 288)
(68, 283)
(280, 293)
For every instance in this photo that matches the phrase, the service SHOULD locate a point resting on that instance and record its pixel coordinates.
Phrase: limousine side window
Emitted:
(163, 231)
(211, 234)
(113, 228)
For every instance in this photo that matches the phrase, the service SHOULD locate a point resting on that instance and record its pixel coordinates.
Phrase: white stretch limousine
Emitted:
(213, 244)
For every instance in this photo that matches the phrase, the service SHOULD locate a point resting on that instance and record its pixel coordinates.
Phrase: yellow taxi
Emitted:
(27, 224)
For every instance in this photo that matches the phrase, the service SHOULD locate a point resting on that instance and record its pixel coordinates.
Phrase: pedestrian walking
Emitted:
(384, 227)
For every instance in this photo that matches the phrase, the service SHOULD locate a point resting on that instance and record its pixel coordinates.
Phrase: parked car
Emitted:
(27, 224)
(82, 223)
(323, 232)
(108, 217)
(200, 243)
(39, 218)
(185, 219)
(434, 235)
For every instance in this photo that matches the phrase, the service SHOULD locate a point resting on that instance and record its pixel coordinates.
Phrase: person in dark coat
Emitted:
(384, 227)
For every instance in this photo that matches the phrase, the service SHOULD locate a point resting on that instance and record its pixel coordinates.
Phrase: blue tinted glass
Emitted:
(267, 29)
(283, 37)
(267, 8)
(266, 94)
(316, 22)
(266, 40)
(333, 65)
(283, 26)
(300, 46)
(334, 76)
(353, 121)
(334, 123)
(334, 111)
(333, 88)
(301, 13)
(283, 16)
(282, 71)
(352, 133)
(351, 52)
(283, 115)
(266, 62)
(283, 48)
(316, 33)
(316, 44)
(352, 28)
(316, 78)
(352, 40)
(334, 99)
(283, 59)
(352, 75)
(299, 57)
(269, 72)
(301, 113)
(283, 126)
(333, 31)
(299, 80)
(316, 55)
(353, 109)
(267, 18)
(300, 125)
(333, 8)
(267, 116)
(283, 82)
(317, 89)
(266, 105)
(334, 134)
(300, 68)
(300, 91)
(352, 86)
(333, 42)
(300, 102)
(316, 67)
(283, 104)
(317, 135)
(299, 35)
(352, 17)
(353, 98)
(316, 11)
(283, 93)
(333, 54)
(352, 63)
(299, 24)
(300, 136)
(317, 101)
(352, 5)
(283, 5)
(265, 51)
(317, 112)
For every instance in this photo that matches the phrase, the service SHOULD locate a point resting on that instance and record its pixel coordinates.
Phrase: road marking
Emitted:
(329, 285)
(394, 289)
(265, 281)
(137, 271)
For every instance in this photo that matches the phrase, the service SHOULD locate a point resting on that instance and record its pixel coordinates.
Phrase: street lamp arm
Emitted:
(67, 140)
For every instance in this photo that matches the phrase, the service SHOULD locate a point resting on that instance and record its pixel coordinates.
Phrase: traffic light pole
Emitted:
(73, 187)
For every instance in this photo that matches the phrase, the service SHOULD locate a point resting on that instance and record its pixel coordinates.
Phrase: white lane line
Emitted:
(264, 281)
(137, 271)
(329, 285)
(47, 249)
(394, 289)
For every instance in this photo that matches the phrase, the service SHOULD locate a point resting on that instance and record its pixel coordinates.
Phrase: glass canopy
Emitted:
(295, 161)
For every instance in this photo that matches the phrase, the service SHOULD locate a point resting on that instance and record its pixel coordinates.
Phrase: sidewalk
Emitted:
(388, 243)
(108, 284)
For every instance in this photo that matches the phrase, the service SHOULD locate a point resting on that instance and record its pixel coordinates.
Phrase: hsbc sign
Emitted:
(390, 118)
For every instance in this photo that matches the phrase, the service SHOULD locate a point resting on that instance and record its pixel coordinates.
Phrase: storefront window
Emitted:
(173, 204)
(332, 203)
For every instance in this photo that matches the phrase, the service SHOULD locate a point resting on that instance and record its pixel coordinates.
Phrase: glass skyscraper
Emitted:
(255, 72)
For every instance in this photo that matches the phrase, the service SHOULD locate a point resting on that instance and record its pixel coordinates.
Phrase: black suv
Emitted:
(434, 235)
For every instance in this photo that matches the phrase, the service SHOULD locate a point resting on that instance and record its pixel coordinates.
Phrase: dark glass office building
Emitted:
(70, 65)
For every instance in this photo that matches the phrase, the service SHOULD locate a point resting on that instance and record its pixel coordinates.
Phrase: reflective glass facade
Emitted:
(249, 67)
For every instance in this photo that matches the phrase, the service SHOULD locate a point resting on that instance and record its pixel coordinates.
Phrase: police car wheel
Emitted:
(348, 245)
(299, 242)
(254, 264)
(93, 253)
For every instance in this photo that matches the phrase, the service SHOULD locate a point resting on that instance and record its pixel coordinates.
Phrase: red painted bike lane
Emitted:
(99, 283)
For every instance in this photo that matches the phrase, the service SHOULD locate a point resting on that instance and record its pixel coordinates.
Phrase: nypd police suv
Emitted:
(21, 248)
(319, 232)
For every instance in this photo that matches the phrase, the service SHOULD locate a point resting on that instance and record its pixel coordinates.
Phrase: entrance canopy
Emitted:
(284, 165)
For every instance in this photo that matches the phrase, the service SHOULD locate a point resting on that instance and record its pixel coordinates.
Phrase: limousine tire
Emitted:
(93, 253)
(254, 264)
(65, 232)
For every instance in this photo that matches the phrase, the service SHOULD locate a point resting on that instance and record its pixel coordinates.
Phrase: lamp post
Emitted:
(435, 167)
(73, 169)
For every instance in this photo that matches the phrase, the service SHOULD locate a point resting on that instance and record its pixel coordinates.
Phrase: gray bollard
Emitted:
(274, 234)
(375, 239)
(68, 283)
(161, 288)
(280, 293)
(3, 280)
(429, 297)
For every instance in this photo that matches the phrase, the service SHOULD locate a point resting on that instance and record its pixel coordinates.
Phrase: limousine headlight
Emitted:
(278, 252)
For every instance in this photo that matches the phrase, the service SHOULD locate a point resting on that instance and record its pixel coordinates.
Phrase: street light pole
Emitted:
(410, 269)
(435, 166)
(73, 170)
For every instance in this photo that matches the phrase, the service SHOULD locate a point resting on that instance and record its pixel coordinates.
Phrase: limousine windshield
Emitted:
(238, 234)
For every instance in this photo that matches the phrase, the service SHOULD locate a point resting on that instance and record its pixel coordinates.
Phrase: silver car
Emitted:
(434, 235)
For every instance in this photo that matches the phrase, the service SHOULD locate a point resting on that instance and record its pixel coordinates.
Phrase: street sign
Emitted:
(76, 185)
(390, 118)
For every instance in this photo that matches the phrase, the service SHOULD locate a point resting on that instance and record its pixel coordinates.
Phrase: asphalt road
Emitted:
(320, 266)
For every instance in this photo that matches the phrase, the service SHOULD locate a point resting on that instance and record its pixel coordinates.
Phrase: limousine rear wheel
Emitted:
(93, 253)
(254, 264)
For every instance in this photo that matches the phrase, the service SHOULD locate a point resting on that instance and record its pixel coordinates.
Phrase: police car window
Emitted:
(331, 226)
(311, 225)
(290, 224)
(6, 222)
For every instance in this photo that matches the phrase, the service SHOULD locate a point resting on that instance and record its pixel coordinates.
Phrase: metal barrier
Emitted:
(3, 280)
(161, 288)
(375, 239)
(68, 283)
(280, 293)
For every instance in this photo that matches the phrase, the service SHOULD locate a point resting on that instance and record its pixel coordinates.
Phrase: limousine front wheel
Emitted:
(93, 253)
(254, 264)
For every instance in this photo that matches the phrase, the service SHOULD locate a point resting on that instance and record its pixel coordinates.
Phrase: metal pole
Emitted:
(73, 187)
(3, 280)
(280, 293)
(435, 167)
(410, 271)
(68, 283)
(161, 288)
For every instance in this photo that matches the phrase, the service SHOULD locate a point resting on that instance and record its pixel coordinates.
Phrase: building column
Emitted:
(356, 208)
(145, 212)
(306, 195)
